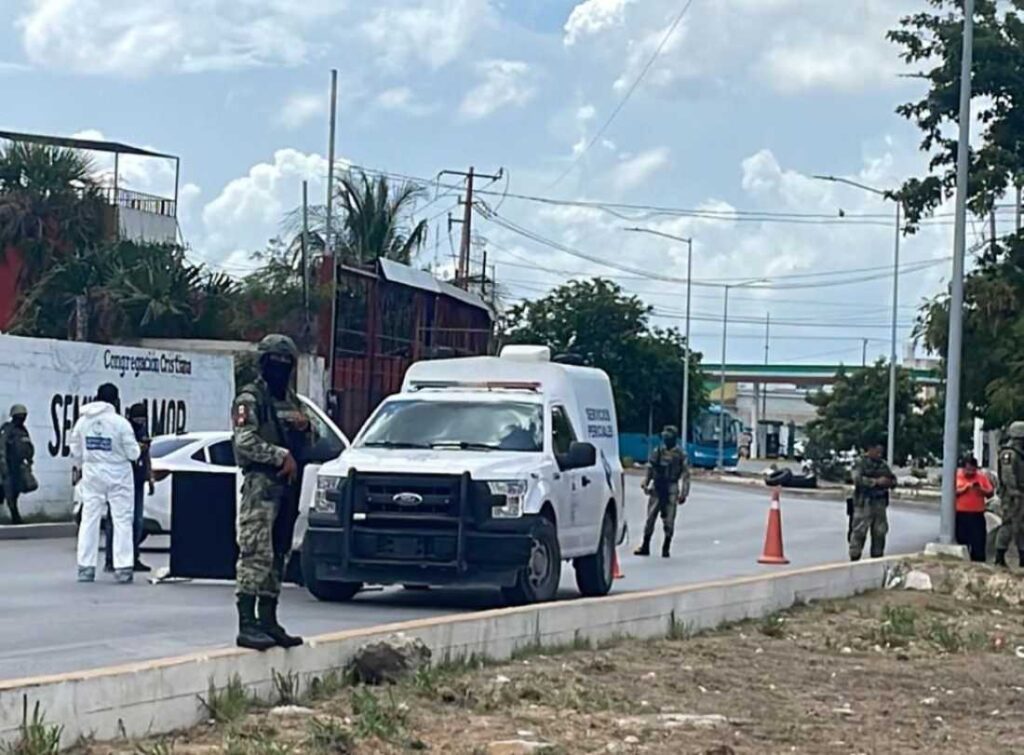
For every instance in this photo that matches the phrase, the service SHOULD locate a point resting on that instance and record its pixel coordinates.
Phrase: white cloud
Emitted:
(402, 99)
(249, 210)
(504, 83)
(302, 107)
(130, 38)
(148, 175)
(634, 171)
(433, 32)
(593, 16)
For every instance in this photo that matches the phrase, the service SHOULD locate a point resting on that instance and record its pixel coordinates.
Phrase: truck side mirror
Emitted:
(324, 450)
(581, 456)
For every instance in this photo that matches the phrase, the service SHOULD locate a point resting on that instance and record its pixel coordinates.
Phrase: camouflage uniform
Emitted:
(870, 502)
(16, 450)
(668, 475)
(270, 430)
(1011, 495)
(264, 435)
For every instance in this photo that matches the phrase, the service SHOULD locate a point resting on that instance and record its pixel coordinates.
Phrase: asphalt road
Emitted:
(51, 624)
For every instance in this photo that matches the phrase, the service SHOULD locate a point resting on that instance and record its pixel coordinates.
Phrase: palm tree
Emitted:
(373, 220)
(50, 203)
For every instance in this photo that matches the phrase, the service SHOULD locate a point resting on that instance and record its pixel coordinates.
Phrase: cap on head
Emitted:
(276, 344)
(1016, 431)
(19, 410)
(137, 411)
(670, 430)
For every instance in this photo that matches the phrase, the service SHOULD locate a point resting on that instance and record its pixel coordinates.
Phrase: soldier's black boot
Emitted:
(644, 549)
(250, 635)
(666, 547)
(270, 627)
(1001, 558)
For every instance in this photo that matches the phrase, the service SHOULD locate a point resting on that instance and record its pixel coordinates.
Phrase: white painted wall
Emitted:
(183, 391)
(136, 225)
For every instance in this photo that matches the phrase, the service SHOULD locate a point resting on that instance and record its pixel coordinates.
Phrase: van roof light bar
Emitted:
(487, 385)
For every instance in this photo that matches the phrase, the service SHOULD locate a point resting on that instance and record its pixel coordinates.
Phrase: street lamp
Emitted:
(685, 411)
(891, 446)
(721, 374)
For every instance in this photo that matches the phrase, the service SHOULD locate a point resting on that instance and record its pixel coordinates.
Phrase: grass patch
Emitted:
(286, 687)
(35, 736)
(773, 626)
(378, 716)
(160, 747)
(678, 630)
(326, 736)
(537, 649)
(328, 685)
(229, 704)
(897, 627)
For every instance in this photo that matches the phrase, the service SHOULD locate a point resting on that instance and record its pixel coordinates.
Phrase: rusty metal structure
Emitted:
(390, 315)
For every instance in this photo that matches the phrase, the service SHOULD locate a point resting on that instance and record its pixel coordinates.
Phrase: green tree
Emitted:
(50, 205)
(994, 290)
(855, 411)
(374, 220)
(609, 329)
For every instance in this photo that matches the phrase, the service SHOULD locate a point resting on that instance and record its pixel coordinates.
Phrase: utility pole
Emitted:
(305, 259)
(864, 353)
(764, 388)
(992, 227)
(721, 380)
(462, 266)
(1018, 207)
(483, 277)
(947, 512)
(328, 241)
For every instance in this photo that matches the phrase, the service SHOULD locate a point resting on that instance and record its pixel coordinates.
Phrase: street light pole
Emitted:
(947, 511)
(891, 424)
(891, 448)
(684, 425)
(721, 380)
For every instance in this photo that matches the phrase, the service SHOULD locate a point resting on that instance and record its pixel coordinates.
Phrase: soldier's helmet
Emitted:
(276, 344)
(1016, 431)
(18, 410)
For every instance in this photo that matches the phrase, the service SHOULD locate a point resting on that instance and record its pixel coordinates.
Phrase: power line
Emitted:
(629, 93)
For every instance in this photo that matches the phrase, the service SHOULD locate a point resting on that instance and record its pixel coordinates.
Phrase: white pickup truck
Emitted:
(482, 471)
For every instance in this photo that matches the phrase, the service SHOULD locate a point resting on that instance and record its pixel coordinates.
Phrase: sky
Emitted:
(744, 102)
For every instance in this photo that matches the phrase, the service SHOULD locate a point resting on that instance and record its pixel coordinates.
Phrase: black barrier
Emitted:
(203, 525)
(203, 543)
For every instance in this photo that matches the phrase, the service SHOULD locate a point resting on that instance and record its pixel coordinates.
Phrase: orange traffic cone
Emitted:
(616, 571)
(773, 536)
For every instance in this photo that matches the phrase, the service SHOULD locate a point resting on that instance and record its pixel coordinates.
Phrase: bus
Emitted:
(702, 445)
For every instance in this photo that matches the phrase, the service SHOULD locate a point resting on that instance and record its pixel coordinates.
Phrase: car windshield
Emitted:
(164, 446)
(467, 425)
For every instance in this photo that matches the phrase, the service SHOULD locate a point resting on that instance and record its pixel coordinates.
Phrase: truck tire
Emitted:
(538, 580)
(594, 572)
(326, 590)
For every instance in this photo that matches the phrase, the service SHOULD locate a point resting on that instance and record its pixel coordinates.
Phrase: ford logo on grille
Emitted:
(407, 499)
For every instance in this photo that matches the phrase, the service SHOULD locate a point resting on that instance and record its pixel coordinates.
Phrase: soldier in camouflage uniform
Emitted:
(1011, 495)
(667, 486)
(872, 481)
(271, 436)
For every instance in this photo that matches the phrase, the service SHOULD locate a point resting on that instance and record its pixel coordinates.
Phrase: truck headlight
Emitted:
(513, 493)
(324, 485)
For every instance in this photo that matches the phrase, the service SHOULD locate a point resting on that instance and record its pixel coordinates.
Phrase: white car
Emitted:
(212, 452)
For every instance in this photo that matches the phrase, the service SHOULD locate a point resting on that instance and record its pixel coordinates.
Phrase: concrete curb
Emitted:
(38, 531)
(925, 500)
(160, 696)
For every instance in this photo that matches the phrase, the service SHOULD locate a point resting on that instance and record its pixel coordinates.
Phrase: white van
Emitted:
(482, 471)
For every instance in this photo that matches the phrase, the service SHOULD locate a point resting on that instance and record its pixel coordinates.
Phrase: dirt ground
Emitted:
(888, 672)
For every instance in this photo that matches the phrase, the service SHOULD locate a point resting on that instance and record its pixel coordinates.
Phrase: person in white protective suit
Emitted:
(103, 443)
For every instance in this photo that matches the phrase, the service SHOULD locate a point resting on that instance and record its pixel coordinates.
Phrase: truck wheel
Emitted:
(594, 573)
(538, 580)
(326, 590)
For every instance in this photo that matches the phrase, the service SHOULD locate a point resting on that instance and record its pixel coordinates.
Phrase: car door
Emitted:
(326, 433)
(572, 514)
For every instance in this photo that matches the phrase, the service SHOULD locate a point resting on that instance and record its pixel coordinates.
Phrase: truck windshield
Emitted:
(466, 425)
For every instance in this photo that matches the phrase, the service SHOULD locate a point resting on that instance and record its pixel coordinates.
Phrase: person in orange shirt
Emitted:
(973, 488)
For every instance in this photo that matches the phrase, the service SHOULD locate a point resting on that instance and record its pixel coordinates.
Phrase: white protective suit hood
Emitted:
(102, 438)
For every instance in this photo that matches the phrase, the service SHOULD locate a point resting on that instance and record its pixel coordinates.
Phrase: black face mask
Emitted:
(669, 440)
(19, 421)
(278, 376)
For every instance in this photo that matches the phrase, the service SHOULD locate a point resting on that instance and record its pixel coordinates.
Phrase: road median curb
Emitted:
(38, 531)
(159, 696)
